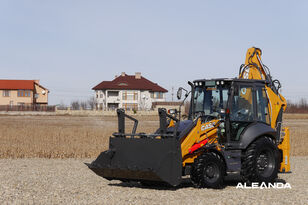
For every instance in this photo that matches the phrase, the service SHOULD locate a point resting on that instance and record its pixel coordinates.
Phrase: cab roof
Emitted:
(232, 80)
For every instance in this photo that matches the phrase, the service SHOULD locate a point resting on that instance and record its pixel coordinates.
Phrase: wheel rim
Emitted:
(211, 172)
(266, 163)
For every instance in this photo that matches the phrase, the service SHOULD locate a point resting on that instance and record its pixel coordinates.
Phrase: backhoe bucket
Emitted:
(140, 159)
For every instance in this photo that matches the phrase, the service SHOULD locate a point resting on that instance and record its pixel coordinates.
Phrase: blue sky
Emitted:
(73, 45)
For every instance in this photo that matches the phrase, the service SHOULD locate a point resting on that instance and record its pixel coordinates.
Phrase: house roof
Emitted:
(17, 84)
(129, 82)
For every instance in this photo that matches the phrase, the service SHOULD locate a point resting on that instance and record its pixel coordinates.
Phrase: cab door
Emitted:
(242, 110)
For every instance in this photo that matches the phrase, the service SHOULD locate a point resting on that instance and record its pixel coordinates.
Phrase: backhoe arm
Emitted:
(255, 69)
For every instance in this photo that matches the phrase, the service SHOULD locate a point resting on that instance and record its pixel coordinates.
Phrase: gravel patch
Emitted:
(69, 181)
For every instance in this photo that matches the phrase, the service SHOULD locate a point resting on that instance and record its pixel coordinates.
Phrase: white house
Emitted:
(128, 92)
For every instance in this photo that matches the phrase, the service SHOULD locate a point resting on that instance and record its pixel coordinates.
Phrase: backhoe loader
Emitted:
(234, 128)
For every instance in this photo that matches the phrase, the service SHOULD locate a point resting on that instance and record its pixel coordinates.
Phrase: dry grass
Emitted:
(298, 124)
(80, 137)
(60, 136)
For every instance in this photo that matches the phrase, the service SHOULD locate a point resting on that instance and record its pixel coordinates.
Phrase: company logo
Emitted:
(263, 185)
(207, 126)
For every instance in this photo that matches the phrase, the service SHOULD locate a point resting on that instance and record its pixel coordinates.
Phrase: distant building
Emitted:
(22, 92)
(128, 92)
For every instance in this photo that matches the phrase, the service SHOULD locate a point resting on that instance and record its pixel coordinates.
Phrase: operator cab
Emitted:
(236, 102)
(210, 98)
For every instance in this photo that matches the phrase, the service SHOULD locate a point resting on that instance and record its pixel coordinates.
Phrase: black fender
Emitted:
(254, 131)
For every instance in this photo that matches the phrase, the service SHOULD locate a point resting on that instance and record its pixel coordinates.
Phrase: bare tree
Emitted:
(303, 103)
(61, 106)
(300, 107)
(92, 103)
(83, 105)
(75, 105)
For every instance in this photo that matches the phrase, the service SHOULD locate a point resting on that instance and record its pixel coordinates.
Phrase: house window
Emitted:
(24, 93)
(135, 96)
(157, 95)
(27, 93)
(130, 106)
(6, 93)
(129, 95)
(113, 93)
(160, 95)
(124, 95)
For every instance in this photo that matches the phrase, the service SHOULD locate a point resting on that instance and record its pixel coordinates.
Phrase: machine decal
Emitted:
(207, 126)
(246, 74)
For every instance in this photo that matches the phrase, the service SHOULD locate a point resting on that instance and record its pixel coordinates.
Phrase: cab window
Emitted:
(242, 111)
(242, 105)
(262, 105)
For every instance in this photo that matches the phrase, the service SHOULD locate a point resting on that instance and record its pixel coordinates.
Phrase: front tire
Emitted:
(261, 161)
(208, 171)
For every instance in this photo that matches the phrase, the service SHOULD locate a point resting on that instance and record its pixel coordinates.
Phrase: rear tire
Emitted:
(261, 162)
(208, 171)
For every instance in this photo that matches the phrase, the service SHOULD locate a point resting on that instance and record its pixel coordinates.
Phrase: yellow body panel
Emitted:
(199, 133)
(285, 147)
(275, 104)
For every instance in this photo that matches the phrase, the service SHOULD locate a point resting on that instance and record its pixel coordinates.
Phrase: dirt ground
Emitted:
(69, 181)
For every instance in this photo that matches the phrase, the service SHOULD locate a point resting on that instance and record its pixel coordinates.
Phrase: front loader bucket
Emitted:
(140, 159)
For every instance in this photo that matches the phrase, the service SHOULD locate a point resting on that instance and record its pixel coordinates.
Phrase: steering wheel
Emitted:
(204, 117)
(242, 114)
(199, 114)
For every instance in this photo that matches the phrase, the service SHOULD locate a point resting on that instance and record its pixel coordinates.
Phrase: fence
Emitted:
(99, 109)
(38, 108)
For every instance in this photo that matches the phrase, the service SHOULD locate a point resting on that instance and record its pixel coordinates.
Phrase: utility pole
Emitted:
(172, 94)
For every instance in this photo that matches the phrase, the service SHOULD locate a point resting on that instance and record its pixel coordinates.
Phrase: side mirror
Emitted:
(179, 93)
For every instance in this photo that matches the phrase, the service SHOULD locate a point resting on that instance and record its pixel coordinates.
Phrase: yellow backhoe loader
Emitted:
(234, 128)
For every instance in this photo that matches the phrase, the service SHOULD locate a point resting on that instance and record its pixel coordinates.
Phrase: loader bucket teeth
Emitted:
(140, 159)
